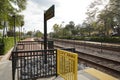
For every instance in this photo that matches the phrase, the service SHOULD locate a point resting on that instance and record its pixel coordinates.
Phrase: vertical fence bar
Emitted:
(76, 68)
(13, 66)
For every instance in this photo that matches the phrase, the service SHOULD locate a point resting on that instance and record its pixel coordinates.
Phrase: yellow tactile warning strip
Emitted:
(100, 75)
(86, 75)
(81, 77)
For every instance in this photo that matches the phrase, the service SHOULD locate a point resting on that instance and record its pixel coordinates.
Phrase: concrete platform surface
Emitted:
(6, 70)
(86, 74)
(91, 74)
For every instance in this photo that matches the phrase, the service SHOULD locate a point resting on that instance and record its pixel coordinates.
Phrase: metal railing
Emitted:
(28, 61)
(67, 64)
(33, 45)
(30, 64)
(29, 45)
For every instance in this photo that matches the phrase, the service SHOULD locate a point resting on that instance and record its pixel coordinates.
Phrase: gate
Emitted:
(67, 64)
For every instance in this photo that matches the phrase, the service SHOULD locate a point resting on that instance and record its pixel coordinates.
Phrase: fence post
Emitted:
(56, 63)
(76, 68)
(13, 70)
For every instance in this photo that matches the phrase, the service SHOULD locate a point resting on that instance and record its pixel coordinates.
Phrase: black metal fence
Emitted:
(28, 61)
(30, 64)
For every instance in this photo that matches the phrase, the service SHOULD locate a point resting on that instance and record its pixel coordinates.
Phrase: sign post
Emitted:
(47, 15)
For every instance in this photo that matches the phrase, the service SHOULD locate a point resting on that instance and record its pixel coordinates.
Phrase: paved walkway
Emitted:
(6, 70)
(6, 65)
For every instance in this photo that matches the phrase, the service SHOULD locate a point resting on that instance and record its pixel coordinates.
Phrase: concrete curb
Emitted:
(7, 55)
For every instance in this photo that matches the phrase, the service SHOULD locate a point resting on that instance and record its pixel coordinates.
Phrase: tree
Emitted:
(19, 19)
(70, 28)
(57, 30)
(29, 33)
(7, 10)
(105, 17)
(93, 10)
(21, 4)
(114, 10)
(38, 34)
(0, 34)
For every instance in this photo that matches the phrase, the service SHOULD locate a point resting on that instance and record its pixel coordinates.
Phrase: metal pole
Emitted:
(13, 67)
(45, 38)
(14, 30)
(84, 39)
(4, 30)
(21, 33)
(101, 43)
(84, 42)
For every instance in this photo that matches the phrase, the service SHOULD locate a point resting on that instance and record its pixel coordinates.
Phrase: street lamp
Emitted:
(14, 29)
(23, 32)
(22, 23)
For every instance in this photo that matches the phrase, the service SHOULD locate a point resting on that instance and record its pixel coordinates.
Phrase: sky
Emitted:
(65, 11)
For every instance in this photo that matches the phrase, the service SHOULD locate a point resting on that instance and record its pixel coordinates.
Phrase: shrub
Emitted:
(0, 35)
(95, 39)
(106, 39)
(8, 43)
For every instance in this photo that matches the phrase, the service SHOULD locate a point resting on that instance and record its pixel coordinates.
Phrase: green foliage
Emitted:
(29, 33)
(0, 35)
(98, 23)
(1, 26)
(38, 34)
(106, 19)
(0, 39)
(67, 31)
(105, 39)
(18, 21)
(8, 43)
(7, 11)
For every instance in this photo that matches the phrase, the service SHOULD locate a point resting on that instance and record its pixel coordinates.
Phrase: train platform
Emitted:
(83, 74)
(91, 74)
(86, 74)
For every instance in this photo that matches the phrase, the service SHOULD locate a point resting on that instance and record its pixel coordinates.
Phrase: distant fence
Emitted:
(29, 45)
(67, 64)
(33, 45)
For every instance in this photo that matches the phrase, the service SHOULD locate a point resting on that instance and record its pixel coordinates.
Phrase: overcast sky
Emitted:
(65, 10)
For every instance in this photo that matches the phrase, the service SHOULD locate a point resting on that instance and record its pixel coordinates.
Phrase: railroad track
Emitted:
(97, 45)
(110, 66)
